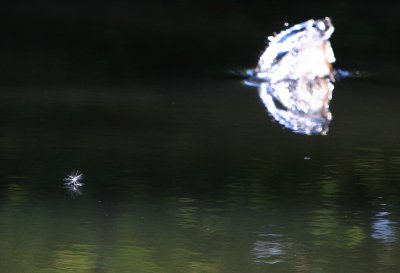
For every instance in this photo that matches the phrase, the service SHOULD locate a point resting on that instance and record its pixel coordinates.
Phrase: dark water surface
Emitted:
(186, 172)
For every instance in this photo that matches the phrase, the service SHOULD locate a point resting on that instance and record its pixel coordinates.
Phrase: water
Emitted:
(180, 182)
(188, 173)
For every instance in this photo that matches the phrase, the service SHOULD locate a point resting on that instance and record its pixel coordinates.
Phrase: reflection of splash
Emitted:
(270, 250)
(295, 77)
(304, 109)
(74, 190)
(384, 229)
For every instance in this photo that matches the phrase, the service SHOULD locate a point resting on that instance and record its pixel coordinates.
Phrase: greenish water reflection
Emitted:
(255, 223)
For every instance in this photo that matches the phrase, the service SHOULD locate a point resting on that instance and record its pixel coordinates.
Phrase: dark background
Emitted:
(117, 42)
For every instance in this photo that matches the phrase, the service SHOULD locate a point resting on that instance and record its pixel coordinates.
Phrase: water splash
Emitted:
(295, 77)
(301, 51)
(73, 182)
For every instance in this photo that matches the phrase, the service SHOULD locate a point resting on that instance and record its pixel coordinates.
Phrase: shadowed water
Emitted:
(179, 182)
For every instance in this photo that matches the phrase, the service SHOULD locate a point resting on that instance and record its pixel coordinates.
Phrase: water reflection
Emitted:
(16, 194)
(186, 234)
(383, 229)
(133, 257)
(306, 114)
(324, 222)
(269, 249)
(354, 236)
(75, 258)
(187, 213)
(295, 77)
